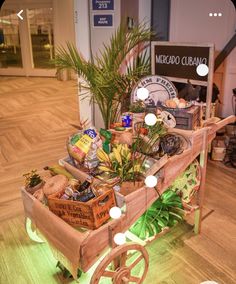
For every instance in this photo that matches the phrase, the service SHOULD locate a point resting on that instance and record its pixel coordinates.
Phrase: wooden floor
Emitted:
(35, 119)
(36, 116)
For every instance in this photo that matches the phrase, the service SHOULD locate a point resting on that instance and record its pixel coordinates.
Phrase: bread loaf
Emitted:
(55, 185)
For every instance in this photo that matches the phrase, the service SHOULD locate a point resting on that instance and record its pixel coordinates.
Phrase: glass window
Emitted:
(42, 39)
(10, 50)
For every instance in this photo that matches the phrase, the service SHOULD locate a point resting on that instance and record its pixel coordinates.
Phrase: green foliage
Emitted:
(164, 212)
(109, 77)
(137, 107)
(121, 163)
(32, 179)
(149, 145)
(158, 129)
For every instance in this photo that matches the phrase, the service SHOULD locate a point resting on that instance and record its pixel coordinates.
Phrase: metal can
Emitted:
(126, 120)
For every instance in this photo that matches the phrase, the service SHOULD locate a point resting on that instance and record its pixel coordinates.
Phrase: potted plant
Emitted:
(111, 75)
(147, 139)
(137, 107)
(137, 110)
(123, 165)
(33, 181)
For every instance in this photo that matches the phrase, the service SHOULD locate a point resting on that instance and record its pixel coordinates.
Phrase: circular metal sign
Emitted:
(160, 89)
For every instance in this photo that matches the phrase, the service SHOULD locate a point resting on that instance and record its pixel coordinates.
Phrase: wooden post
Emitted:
(210, 84)
(201, 193)
(112, 231)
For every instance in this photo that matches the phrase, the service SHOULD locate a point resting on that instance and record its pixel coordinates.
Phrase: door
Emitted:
(27, 46)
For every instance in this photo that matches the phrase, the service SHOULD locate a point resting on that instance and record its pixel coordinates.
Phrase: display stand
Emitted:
(91, 244)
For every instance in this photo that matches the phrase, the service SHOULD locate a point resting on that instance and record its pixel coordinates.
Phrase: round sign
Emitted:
(160, 89)
(168, 119)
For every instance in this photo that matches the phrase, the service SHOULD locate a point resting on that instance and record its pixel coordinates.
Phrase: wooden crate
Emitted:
(91, 214)
(188, 119)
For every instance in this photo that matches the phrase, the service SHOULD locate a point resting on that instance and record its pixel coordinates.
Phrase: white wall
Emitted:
(82, 40)
(229, 84)
(64, 30)
(144, 11)
(190, 22)
(90, 39)
(100, 35)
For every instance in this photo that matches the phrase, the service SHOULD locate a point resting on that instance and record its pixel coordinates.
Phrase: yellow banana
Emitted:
(59, 170)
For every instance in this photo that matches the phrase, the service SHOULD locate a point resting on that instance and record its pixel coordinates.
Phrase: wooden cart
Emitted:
(93, 244)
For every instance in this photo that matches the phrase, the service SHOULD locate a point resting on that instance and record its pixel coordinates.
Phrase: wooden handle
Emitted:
(214, 127)
(227, 120)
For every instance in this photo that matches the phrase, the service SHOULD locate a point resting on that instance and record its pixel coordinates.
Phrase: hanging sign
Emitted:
(99, 5)
(102, 20)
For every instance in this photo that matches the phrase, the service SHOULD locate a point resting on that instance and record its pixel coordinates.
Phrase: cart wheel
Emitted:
(121, 264)
(29, 227)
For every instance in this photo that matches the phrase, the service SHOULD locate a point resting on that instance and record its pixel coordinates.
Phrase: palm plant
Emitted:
(111, 75)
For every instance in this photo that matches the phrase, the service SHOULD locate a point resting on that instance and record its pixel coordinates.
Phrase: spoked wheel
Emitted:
(31, 231)
(127, 263)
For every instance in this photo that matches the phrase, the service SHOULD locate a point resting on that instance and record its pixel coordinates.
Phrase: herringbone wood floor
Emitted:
(35, 118)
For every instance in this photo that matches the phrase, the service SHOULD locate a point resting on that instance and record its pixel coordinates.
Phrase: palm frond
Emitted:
(112, 74)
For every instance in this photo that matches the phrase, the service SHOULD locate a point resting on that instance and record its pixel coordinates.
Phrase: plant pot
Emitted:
(128, 187)
(138, 116)
(33, 189)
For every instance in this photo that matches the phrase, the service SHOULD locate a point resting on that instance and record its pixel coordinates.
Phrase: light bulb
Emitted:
(202, 70)
(151, 181)
(119, 238)
(115, 212)
(142, 93)
(150, 119)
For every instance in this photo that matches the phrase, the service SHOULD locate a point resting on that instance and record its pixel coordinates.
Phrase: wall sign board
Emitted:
(102, 20)
(179, 61)
(99, 5)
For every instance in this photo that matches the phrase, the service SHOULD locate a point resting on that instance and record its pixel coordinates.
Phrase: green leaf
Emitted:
(159, 216)
(109, 76)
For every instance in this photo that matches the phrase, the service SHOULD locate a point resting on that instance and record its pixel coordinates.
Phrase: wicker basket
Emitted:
(218, 150)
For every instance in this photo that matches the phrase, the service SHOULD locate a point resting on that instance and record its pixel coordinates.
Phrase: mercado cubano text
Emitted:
(178, 60)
